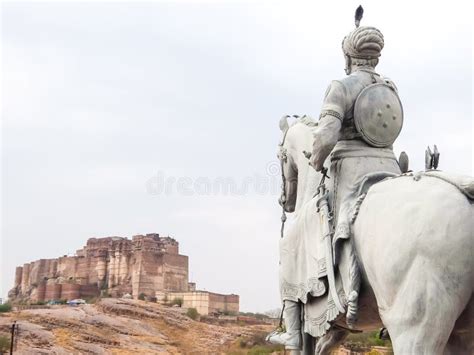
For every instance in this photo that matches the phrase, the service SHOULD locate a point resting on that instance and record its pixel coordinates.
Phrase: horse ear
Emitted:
(284, 123)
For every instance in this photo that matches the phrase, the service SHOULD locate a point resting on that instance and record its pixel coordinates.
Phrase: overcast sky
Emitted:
(104, 103)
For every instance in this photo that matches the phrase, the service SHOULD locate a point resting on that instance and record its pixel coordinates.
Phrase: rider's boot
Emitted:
(292, 337)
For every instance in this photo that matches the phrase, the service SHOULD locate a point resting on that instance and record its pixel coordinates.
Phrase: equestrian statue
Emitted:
(371, 243)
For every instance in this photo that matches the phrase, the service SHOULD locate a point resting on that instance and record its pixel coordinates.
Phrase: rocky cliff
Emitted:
(147, 264)
(121, 326)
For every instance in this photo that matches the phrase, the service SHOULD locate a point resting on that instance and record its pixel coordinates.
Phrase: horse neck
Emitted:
(301, 140)
(308, 180)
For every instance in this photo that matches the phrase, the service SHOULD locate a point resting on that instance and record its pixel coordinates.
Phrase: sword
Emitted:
(325, 218)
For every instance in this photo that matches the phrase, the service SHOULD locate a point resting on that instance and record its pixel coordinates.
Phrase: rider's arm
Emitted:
(329, 125)
(325, 138)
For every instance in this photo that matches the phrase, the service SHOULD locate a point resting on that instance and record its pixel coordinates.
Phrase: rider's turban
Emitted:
(364, 43)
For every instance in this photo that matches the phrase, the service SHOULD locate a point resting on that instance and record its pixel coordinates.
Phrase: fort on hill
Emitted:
(146, 266)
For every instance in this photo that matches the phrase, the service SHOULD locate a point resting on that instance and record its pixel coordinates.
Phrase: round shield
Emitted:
(378, 115)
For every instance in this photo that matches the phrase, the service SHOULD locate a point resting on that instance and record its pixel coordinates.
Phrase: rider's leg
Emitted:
(292, 337)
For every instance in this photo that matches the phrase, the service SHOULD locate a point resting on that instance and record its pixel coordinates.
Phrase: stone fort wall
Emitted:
(114, 265)
(207, 303)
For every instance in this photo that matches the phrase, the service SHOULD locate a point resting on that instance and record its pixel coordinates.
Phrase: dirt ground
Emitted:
(119, 326)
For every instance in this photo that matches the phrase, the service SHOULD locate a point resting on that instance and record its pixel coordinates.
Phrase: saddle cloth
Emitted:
(464, 183)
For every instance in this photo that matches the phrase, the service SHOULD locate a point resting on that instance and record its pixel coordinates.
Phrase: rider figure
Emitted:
(351, 156)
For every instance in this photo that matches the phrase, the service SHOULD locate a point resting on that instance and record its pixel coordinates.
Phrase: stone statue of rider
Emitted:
(352, 140)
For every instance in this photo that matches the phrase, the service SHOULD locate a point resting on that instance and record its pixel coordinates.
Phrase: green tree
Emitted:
(178, 301)
(142, 296)
(192, 313)
(6, 307)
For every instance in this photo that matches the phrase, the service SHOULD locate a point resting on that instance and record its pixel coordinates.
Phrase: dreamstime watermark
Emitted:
(265, 183)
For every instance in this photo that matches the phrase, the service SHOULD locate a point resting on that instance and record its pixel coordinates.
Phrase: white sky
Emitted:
(101, 100)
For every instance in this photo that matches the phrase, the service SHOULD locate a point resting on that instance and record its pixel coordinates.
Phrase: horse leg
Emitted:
(328, 342)
(417, 257)
(460, 343)
(422, 314)
(308, 344)
(461, 340)
(292, 337)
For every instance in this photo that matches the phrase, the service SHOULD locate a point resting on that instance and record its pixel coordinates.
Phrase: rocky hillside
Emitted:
(119, 326)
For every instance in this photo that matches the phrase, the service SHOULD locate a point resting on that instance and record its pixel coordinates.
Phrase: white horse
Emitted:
(414, 242)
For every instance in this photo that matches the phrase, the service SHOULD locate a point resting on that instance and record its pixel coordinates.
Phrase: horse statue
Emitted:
(412, 236)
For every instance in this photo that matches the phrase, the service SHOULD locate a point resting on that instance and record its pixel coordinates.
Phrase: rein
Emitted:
(283, 159)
